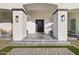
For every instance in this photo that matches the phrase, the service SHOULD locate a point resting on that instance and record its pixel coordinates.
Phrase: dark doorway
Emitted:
(39, 25)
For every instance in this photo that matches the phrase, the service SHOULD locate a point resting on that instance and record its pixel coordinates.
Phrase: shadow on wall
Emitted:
(48, 27)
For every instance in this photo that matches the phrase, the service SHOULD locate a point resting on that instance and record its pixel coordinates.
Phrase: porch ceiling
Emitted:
(5, 10)
(74, 11)
(5, 15)
(40, 9)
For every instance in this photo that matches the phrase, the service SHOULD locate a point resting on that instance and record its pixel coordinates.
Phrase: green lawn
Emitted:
(7, 49)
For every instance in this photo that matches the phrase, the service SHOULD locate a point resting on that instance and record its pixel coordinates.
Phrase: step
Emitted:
(38, 43)
(41, 40)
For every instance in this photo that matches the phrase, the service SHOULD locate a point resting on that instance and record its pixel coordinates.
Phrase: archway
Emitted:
(42, 11)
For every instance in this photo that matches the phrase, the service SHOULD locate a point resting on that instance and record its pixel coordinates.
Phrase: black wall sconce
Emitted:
(62, 18)
(17, 18)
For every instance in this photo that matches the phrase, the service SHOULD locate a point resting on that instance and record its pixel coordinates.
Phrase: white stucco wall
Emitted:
(55, 25)
(60, 28)
(31, 27)
(24, 23)
(19, 28)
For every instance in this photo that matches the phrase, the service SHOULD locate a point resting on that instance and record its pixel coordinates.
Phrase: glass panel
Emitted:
(73, 25)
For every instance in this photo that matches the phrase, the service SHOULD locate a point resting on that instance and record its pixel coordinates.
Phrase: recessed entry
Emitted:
(40, 25)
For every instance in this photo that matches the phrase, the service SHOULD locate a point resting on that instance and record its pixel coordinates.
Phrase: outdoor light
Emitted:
(62, 18)
(17, 18)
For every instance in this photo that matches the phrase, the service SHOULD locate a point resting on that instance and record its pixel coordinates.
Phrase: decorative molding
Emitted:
(19, 10)
(60, 10)
(55, 12)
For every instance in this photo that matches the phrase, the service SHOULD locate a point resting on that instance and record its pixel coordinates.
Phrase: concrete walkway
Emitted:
(40, 51)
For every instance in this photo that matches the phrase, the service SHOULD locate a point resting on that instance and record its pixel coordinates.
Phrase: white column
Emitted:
(19, 25)
(60, 25)
(55, 25)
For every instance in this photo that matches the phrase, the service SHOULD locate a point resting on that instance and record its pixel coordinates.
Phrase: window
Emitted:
(73, 25)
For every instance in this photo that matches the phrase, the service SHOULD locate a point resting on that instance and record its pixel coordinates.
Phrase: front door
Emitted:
(39, 25)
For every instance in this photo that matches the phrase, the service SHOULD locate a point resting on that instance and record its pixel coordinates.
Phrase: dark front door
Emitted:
(39, 25)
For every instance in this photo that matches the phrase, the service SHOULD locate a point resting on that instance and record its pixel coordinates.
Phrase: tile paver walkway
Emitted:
(40, 51)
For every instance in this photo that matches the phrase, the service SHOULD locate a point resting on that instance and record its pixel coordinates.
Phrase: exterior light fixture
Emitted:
(17, 18)
(62, 18)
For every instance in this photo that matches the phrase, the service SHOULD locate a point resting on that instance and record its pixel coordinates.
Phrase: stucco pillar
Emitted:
(19, 24)
(60, 24)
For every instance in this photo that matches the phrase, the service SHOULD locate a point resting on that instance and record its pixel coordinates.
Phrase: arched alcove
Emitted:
(40, 11)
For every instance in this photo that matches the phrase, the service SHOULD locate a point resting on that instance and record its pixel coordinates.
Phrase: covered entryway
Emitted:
(40, 17)
(40, 21)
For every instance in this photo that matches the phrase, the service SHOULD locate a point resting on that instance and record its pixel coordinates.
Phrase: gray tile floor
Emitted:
(38, 36)
(40, 51)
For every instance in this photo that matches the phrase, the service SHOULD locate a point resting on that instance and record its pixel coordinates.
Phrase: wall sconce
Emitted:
(62, 18)
(17, 18)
